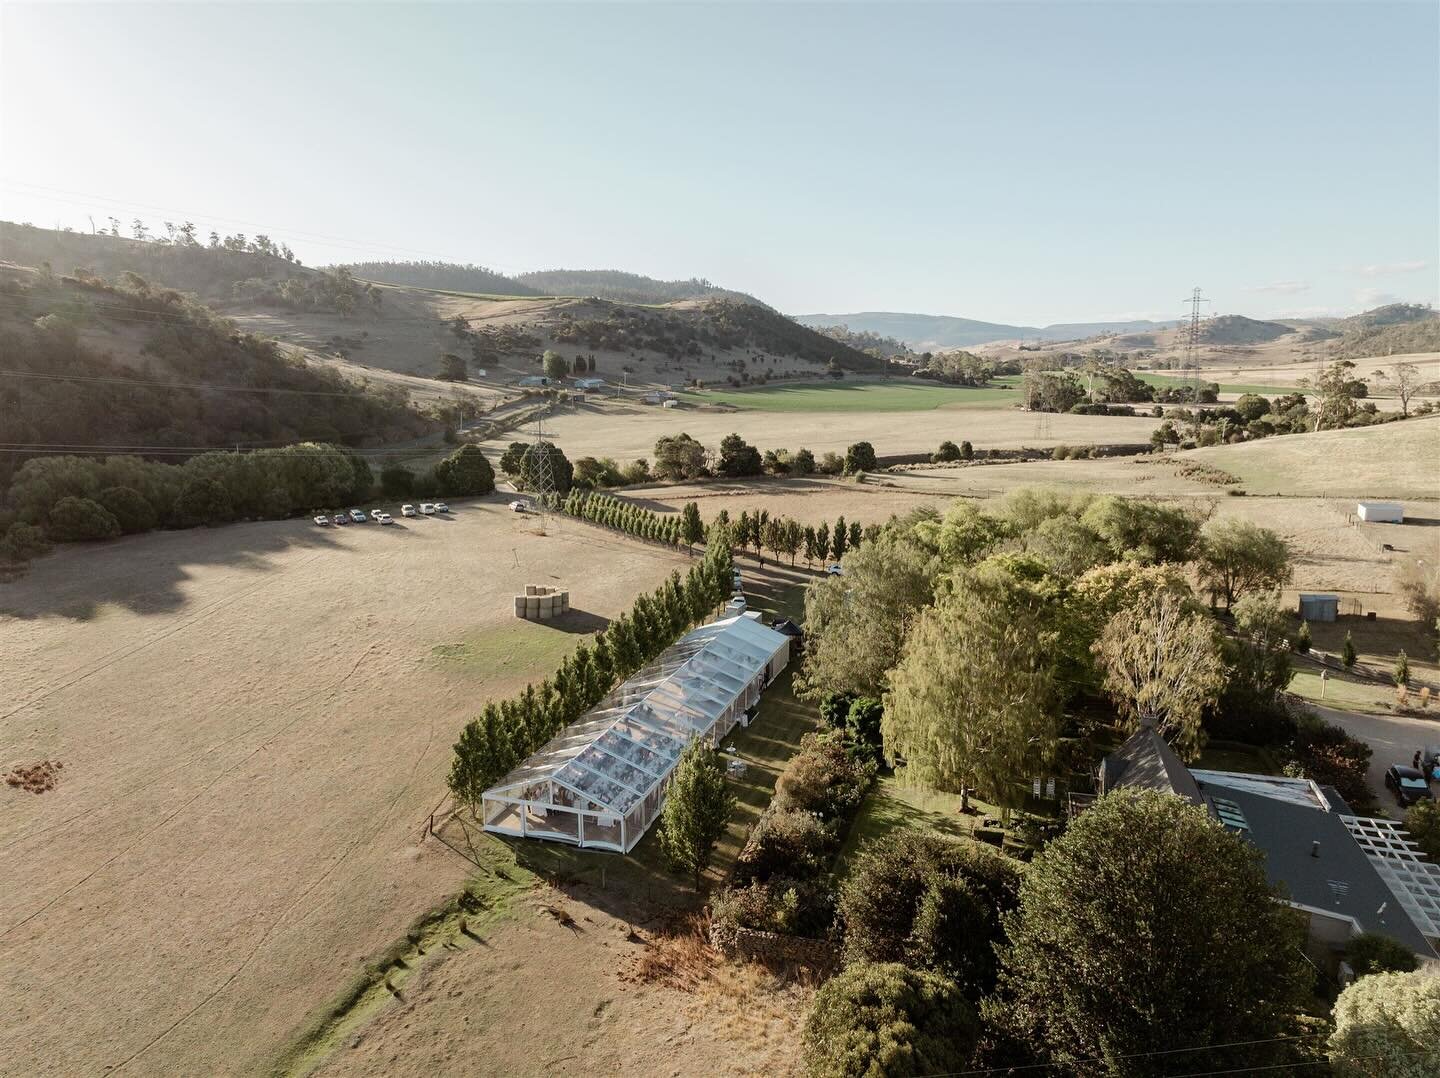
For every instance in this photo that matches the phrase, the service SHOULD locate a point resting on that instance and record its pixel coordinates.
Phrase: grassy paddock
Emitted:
(861, 396)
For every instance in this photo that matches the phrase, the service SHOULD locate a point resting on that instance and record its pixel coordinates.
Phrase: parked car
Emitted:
(407, 510)
(519, 505)
(339, 519)
(376, 513)
(1407, 784)
(835, 570)
(735, 579)
(441, 507)
(322, 519)
(427, 509)
(358, 516)
(385, 518)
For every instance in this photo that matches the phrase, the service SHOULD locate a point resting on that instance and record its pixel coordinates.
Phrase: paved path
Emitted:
(1394, 739)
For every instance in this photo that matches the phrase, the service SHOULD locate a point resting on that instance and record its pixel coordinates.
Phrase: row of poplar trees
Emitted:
(635, 520)
(506, 732)
(783, 536)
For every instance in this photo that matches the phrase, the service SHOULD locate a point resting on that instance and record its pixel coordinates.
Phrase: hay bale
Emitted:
(530, 589)
(564, 602)
(519, 606)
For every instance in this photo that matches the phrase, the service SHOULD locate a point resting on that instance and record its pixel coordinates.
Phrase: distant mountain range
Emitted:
(932, 332)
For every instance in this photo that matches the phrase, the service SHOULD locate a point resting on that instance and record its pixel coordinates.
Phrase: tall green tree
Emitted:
(1146, 928)
(973, 702)
(692, 530)
(555, 366)
(1237, 557)
(1163, 666)
(1387, 1025)
(839, 539)
(697, 806)
(466, 471)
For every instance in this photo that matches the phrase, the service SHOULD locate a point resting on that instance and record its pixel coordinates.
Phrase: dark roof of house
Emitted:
(1340, 880)
(788, 627)
(1147, 762)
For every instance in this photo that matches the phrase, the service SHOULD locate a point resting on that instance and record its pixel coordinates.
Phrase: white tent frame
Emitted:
(601, 782)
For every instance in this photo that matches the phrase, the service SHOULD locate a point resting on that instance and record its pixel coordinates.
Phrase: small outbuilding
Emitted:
(1319, 607)
(1380, 512)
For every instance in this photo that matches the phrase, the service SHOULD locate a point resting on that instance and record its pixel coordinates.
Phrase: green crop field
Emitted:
(1225, 387)
(861, 396)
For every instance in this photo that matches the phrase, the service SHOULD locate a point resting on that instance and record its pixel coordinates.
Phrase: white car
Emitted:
(376, 514)
(358, 516)
(441, 507)
(385, 518)
(427, 509)
(835, 570)
(322, 519)
(407, 510)
(519, 505)
(735, 580)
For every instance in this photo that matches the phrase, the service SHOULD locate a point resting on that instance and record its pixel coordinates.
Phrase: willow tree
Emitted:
(973, 703)
(1163, 666)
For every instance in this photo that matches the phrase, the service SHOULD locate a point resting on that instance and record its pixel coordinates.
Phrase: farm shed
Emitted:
(601, 781)
(1381, 512)
(1319, 607)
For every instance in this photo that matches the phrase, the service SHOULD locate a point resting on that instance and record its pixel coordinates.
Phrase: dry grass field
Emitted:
(628, 431)
(254, 723)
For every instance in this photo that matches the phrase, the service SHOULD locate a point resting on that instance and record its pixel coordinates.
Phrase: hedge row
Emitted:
(780, 880)
(623, 516)
(506, 732)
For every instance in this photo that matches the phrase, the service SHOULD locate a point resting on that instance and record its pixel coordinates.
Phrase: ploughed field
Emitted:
(254, 724)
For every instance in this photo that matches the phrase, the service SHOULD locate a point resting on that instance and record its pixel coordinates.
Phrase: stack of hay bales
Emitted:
(541, 603)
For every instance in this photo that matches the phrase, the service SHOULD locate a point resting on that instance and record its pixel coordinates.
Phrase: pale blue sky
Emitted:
(1022, 162)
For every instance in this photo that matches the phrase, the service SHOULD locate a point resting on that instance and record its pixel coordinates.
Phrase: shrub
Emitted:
(835, 709)
(784, 842)
(132, 511)
(1347, 652)
(860, 457)
(80, 519)
(821, 778)
(862, 730)
(1371, 952)
(930, 901)
(1387, 1025)
(831, 464)
(465, 471)
(948, 451)
(886, 1021)
(397, 481)
(203, 501)
(22, 542)
(1302, 638)
(1401, 672)
(782, 904)
(1423, 823)
(1327, 754)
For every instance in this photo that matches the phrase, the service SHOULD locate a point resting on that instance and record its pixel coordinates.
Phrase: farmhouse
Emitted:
(1349, 874)
(601, 781)
(589, 383)
(1381, 512)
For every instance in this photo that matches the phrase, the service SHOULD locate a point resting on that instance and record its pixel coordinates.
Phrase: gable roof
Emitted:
(1147, 762)
(1338, 879)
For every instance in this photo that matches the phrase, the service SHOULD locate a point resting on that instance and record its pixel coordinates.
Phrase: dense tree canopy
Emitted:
(1147, 927)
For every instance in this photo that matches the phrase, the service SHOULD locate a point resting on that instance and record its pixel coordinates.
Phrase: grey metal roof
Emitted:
(1147, 762)
(1340, 880)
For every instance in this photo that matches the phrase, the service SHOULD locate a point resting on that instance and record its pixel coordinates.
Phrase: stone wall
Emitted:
(772, 948)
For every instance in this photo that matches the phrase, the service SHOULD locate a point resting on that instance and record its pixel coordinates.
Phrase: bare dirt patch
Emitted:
(255, 727)
(35, 778)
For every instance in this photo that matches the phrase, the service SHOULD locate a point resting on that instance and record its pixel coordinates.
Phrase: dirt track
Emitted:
(254, 724)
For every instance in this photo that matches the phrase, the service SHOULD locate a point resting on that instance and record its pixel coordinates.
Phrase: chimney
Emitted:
(1315, 848)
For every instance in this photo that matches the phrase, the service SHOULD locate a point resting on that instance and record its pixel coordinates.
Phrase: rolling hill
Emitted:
(937, 332)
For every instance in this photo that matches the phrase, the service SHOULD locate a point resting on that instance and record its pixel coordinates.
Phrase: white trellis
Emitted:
(1410, 875)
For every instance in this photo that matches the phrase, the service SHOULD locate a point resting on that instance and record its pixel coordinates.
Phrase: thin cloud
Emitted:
(1385, 269)
(1287, 288)
(1375, 297)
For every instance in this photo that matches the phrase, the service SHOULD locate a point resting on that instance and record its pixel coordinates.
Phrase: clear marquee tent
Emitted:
(601, 781)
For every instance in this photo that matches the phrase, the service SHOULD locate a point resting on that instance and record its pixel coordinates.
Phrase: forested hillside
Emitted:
(1396, 329)
(625, 287)
(444, 276)
(89, 362)
(222, 271)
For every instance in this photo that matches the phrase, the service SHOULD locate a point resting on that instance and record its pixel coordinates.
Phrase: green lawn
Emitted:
(860, 396)
(1225, 387)
(891, 805)
(1341, 692)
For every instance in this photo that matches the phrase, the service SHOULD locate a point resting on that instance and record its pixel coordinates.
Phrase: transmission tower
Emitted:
(541, 477)
(1192, 345)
